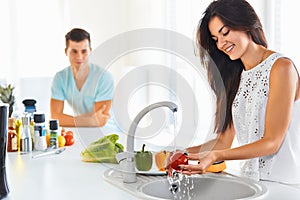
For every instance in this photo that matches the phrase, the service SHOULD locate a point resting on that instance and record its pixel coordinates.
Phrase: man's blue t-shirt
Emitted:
(98, 86)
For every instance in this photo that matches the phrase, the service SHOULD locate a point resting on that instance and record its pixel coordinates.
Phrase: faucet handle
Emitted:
(121, 156)
(127, 166)
(124, 155)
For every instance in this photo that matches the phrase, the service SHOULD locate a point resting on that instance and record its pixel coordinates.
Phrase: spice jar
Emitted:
(12, 139)
(53, 126)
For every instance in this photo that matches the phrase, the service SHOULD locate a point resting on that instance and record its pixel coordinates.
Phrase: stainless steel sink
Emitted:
(208, 186)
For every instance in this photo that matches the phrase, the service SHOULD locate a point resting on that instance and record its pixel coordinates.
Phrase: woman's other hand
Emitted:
(203, 161)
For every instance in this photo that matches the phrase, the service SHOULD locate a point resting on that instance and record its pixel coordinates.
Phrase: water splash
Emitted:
(175, 129)
(181, 185)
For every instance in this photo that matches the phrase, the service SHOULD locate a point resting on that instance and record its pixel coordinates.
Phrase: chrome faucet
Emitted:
(126, 159)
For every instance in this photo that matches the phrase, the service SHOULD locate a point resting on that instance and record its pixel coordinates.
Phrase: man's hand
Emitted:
(101, 115)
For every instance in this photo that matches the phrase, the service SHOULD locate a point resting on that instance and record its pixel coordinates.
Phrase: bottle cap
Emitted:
(29, 102)
(29, 105)
(39, 118)
(53, 124)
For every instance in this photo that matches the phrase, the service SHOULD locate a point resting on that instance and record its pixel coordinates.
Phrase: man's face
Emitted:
(78, 52)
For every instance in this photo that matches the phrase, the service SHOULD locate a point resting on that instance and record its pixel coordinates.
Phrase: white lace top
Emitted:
(249, 109)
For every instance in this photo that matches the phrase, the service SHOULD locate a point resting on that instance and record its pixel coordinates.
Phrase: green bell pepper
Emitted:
(143, 159)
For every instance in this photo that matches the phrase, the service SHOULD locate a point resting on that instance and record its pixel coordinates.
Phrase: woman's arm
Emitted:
(222, 141)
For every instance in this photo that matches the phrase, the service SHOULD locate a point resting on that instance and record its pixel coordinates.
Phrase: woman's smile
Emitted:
(229, 49)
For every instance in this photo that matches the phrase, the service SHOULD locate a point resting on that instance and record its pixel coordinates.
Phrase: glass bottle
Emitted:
(4, 189)
(12, 139)
(26, 140)
(18, 125)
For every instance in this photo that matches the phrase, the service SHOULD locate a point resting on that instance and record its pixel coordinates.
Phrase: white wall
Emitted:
(32, 48)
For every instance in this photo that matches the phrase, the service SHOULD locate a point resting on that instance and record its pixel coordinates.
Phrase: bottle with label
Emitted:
(53, 127)
(40, 142)
(12, 139)
(26, 140)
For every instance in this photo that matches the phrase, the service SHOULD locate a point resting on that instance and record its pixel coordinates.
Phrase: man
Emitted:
(85, 86)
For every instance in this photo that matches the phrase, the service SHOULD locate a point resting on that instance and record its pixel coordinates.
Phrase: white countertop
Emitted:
(65, 176)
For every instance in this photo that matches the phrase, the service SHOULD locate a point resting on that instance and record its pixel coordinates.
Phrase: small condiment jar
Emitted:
(40, 142)
(53, 127)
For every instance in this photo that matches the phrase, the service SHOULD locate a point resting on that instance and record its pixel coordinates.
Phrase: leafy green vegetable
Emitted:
(103, 150)
(112, 137)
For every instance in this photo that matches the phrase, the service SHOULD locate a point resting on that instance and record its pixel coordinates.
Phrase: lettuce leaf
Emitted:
(103, 150)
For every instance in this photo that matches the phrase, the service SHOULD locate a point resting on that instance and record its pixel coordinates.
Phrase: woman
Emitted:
(259, 101)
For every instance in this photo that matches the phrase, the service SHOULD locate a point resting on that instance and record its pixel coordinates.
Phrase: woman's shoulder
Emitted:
(283, 67)
(282, 62)
(279, 61)
(277, 56)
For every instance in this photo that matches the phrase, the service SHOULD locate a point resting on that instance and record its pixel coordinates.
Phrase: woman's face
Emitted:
(233, 43)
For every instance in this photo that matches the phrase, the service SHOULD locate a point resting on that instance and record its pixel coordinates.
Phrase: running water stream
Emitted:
(181, 185)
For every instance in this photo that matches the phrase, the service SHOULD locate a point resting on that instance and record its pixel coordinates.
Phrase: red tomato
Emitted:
(67, 133)
(178, 158)
(69, 140)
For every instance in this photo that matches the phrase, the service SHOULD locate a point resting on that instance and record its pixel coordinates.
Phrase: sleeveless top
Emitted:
(248, 112)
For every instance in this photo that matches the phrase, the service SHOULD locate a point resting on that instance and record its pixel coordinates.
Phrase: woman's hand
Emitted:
(205, 159)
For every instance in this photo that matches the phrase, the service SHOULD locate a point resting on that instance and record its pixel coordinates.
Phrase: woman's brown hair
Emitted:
(236, 15)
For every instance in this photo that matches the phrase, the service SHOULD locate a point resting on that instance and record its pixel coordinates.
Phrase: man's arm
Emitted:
(102, 109)
(98, 117)
(56, 110)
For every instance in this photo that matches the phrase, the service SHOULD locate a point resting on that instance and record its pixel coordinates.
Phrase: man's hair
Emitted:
(77, 35)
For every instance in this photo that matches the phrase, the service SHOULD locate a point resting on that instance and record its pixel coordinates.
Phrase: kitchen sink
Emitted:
(207, 186)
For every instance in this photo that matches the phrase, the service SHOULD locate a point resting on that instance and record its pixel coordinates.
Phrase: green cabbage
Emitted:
(103, 150)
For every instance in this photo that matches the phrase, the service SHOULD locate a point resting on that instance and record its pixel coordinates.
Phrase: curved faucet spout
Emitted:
(137, 119)
(126, 159)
